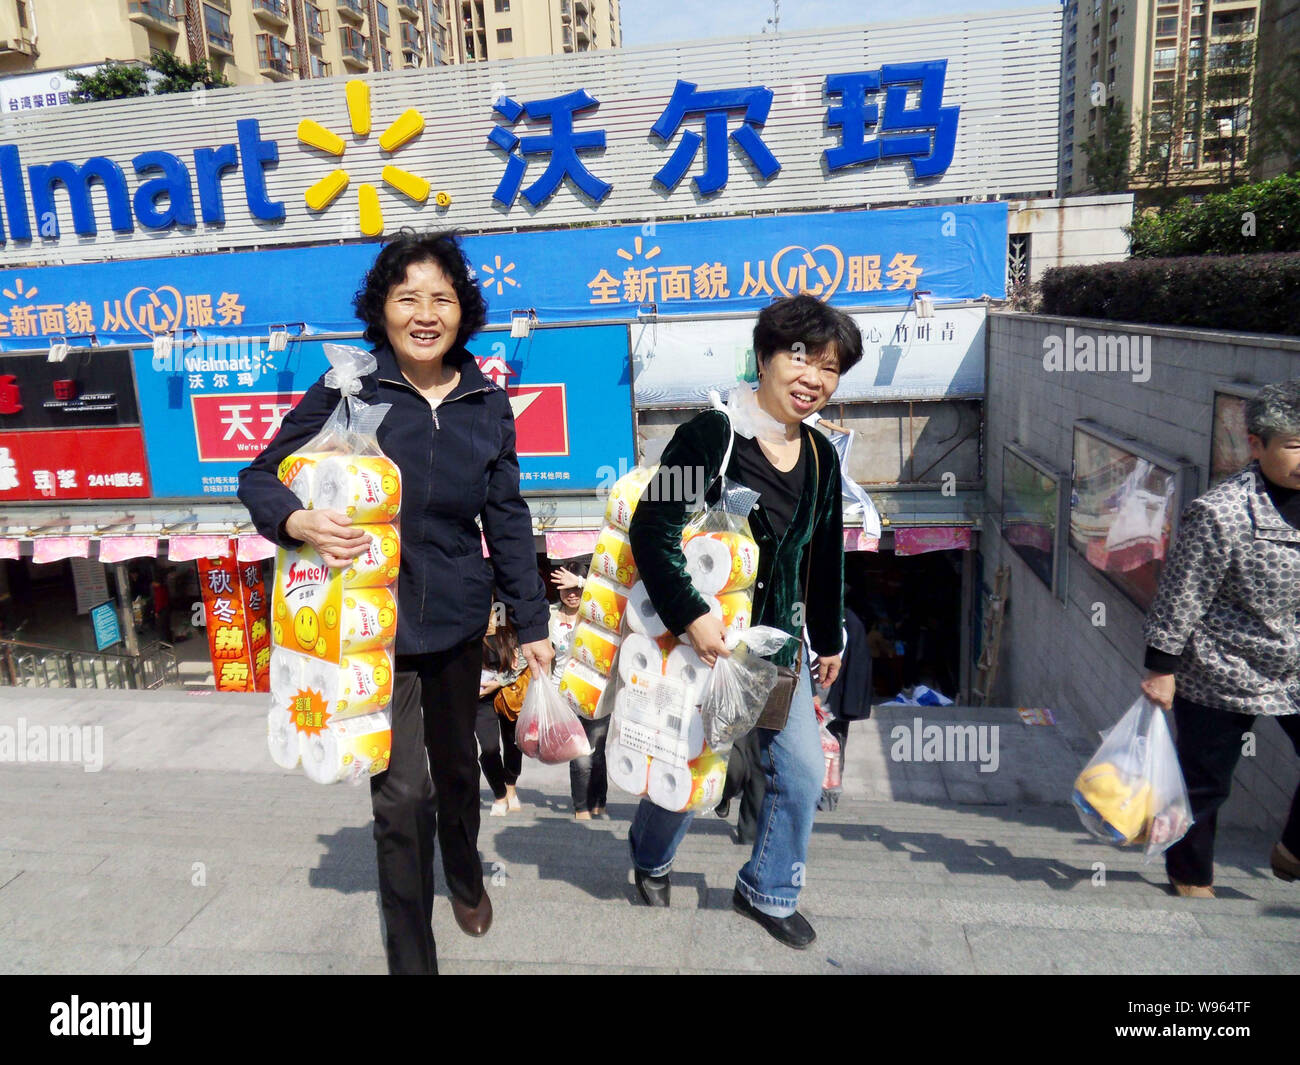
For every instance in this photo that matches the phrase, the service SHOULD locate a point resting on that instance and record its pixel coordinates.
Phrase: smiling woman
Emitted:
(451, 433)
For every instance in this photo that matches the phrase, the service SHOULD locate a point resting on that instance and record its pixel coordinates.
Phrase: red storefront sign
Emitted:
(541, 419)
(237, 428)
(73, 464)
(238, 622)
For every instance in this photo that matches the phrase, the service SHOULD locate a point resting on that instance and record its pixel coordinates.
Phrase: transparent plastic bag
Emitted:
(1132, 790)
(547, 728)
(738, 687)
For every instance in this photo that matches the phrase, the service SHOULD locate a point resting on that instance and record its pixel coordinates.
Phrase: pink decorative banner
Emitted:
(571, 544)
(937, 538)
(8, 548)
(254, 549)
(120, 548)
(54, 548)
(858, 540)
(188, 548)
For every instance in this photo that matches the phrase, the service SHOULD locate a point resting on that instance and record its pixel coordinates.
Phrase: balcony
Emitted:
(317, 23)
(321, 68)
(351, 9)
(566, 11)
(582, 7)
(408, 8)
(274, 57)
(412, 39)
(153, 13)
(220, 42)
(355, 47)
(223, 4)
(275, 12)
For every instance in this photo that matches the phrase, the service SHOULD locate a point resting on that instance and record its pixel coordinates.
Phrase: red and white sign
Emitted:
(66, 464)
(541, 419)
(237, 428)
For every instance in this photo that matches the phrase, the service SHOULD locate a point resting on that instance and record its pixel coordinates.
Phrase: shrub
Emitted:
(1241, 221)
(1245, 293)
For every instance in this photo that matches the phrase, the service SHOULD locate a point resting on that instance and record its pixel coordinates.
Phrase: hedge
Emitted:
(1247, 220)
(1244, 293)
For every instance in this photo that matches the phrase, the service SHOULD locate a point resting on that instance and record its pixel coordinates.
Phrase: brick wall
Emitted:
(1053, 655)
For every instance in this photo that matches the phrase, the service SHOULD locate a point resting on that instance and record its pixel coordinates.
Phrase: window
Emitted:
(502, 6)
(1167, 26)
(273, 53)
(505, 36)
(1166, 58)
(217, 23)
(22, 14)
(383, 18)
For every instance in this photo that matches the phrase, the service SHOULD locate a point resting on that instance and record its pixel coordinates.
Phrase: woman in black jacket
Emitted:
(451, 433)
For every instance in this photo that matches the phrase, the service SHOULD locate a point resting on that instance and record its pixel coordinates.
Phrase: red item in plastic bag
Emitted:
(526, 738)
(563, 741)
(547, 728)
(831, 752)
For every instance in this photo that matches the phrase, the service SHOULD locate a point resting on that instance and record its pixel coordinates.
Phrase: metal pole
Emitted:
(129, 640)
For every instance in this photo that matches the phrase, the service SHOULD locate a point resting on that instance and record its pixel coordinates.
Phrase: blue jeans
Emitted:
(793, 767)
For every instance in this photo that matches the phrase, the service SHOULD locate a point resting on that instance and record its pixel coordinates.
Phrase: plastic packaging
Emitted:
(547, 728)
(1132, 791)
(738, 687)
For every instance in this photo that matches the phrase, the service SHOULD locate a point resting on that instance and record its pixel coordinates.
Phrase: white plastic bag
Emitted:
(1132, 790)
(738, 687)
(547, 728)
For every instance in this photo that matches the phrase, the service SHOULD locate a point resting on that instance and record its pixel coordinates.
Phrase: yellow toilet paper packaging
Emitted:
(734, 608)
(298, 472)
(364, 684)
(625, 495)
(367, 488)
(352, 750)
(720, 562)
(379, 565)
(368, 620)
(699, 785)
(612, 558)
(595, 647)
(306, 602)
(603, 603)
(583, 688)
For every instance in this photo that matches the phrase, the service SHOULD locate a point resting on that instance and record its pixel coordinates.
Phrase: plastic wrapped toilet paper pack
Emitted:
(594, 646)
(641, 615)
(603, 603)
(367, 488)
(684, 665)
(612, 557)
(627, 769)
(378, 567)
(282, 738)
(734, 608)
(298, 472)
(719, 562)
(347, 750)
(625, 495)
(698, 785)
(639, 653)
(583, 688)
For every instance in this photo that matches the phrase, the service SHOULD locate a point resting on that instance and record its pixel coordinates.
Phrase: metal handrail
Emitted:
(27, 663)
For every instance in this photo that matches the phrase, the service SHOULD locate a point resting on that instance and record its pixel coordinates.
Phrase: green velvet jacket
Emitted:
(656, 530)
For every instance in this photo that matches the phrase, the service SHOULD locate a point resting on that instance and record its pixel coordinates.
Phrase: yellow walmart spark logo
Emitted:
(407, 126)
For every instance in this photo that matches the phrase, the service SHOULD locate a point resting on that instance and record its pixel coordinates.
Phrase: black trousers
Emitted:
(431, 785)
(745, 778)
(1209, 744)
(588, 781)
(501, 760)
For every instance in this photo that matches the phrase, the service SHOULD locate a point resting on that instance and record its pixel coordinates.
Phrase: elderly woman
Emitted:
(1223, 635)
(451, 432)
(803, 347)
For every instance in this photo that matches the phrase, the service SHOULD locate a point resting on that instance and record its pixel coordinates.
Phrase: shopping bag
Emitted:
(737, 689)
(1132, 790)
(831, 780)
(547, 728)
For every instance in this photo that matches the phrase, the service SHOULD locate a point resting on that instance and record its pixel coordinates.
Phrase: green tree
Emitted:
(1108, 150)
(112, 81)
(180, 76)
(1276, 113)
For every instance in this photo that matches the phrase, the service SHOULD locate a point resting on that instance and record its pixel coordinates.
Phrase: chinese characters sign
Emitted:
(238, 623)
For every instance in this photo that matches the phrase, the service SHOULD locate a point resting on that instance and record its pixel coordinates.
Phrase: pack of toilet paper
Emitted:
(333, 629)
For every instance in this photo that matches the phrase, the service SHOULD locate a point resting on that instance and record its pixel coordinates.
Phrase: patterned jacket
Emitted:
(1228, 601)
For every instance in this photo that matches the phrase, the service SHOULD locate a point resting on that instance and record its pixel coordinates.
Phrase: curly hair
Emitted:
(1275, 411)
(389, 269)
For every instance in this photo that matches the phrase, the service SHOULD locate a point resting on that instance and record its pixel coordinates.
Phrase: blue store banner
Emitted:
(727, 265)
(209, 410)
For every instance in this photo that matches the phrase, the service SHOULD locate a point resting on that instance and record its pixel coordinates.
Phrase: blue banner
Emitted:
(852, 258)
(209, 410)
(108, 631)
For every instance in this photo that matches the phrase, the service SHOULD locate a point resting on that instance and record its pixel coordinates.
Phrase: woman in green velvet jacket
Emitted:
(803, 347)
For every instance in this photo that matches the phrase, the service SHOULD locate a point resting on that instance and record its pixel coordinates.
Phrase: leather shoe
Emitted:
(1191, 891)
(1285, 866)
(723, 808)
(473, 920)
(794, 931)
(654, 890)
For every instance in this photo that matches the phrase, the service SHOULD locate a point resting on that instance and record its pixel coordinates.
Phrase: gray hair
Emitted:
(1275, 411)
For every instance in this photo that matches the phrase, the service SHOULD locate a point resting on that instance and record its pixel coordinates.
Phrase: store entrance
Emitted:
(911, 608)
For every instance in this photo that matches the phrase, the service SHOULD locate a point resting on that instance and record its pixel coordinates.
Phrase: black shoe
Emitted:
(654, 890)
(793, 931)
(723, 808)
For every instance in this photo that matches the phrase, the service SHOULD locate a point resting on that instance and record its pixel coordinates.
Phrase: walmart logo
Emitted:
(404, 128)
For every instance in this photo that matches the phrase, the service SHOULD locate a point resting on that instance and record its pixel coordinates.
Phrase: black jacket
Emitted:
(458, 462)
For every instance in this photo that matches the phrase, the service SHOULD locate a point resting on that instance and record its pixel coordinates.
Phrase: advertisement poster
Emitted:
(238, 623)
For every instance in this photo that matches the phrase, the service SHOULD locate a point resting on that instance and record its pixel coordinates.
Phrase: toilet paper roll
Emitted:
(282, 738)
(734, 608)
(625, 495)
(378, 566)
(366, 488)
(286, 677)
(681, 789)
(627, 769)
(684, 664)
(363, 684)
(360, 746)
(641, 616)
(603, 603)
(582, 688)
(368, 620)
(719, 562)
(612, 558)
(639, 653)
(298, 472)
(595, 647)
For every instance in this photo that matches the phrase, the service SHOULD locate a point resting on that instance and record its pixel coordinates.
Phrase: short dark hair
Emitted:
(390, 267)
(806, 320)
(1274, 411)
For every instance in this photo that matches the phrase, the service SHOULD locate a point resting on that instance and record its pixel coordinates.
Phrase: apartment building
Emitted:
(1184, 73)
(507, 29)
(248, 41)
